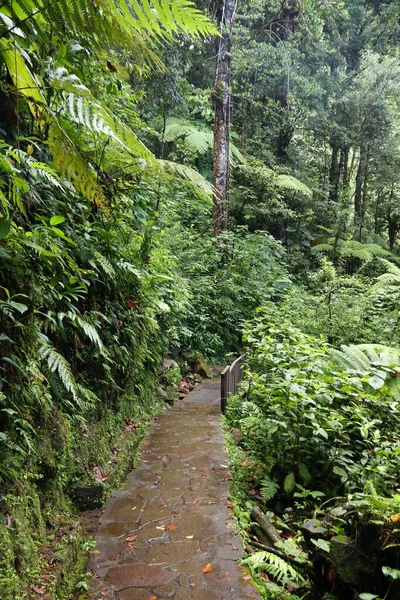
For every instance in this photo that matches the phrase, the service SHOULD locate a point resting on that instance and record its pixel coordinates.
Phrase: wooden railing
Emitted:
(231, 376)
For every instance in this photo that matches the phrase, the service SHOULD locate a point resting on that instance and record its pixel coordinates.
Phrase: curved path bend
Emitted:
(170, 522)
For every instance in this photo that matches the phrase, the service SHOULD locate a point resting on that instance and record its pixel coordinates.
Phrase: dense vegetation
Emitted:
(112, 258)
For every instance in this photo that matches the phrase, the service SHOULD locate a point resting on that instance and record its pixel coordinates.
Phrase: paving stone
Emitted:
(168, 555)
(134, 594)
(189, 593)
(166, 591)
(134, 574)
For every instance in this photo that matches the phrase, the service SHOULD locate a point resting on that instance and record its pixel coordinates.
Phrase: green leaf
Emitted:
(322, 544)
(389, 572)
(56, 220)
(5, 225)
(376, 382)
(21, 308)
(304, 473)
(289, 483)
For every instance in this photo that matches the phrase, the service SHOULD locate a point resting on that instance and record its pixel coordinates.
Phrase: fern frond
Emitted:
(203, 186)
(351, 358)
(268, 489)
(83, 108)
(71, 164)
(57, 363)
(198, 139)
(89, 330)
(276, 566)
(289, 182)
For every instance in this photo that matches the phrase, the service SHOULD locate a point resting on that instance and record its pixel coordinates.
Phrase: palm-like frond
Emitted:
(351, 358)
(198, 138)
(381, 363)
(289, 182)
(391, 277)
(350, 248)
(190, 175)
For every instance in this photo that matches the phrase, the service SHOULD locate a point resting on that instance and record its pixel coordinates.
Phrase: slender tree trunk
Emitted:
(364, 194)
(359, 184)
(334, 173)
(285, 28)
(345, 156)
(221, 97)
(392, 223)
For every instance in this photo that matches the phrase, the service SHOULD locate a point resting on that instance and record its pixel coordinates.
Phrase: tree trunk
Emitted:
(221, 98)
(334, 173)
(284, 30)
(392, 223)
(359, 184)
(345, 158)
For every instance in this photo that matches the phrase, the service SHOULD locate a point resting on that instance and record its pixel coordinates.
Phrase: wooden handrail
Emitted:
(231, 376)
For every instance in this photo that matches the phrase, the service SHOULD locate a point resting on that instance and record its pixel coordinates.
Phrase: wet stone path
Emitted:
(168, 532)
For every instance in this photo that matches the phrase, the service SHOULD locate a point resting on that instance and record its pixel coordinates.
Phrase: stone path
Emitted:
(173, 512)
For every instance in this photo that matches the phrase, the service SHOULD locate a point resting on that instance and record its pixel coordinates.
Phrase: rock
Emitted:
(351, 566)
(314, 528)
(162, 393)
(237, 435)
(202, 368)
(168, 363)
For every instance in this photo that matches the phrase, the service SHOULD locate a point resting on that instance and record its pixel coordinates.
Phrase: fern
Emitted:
(198, 139)
(391, 277)
(72, 165)
(59, 364)
(350, 248)
(268, 489)
(289, 182)
(89, 330)
(277, 567)
(376, 360)
(194, 178)
(351, 358)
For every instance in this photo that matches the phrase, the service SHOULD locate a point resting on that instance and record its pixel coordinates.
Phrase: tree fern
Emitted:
(199, 139)
(351, 358)
(381, 363)
(187, 173)
(349, 248)
(72, 165)
(289, 182)
(391, 277)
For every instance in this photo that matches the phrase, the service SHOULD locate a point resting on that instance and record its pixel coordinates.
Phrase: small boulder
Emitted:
(202, 368)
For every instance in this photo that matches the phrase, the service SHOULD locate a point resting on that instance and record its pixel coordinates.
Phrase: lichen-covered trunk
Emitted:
(221, 97)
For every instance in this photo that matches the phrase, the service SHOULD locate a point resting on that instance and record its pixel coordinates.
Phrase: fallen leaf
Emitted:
(38, 591)
(395, 518)
(167, 527)
(189, 537)
(207, 569)
(131, 538)
(246, 578)
(153, 598)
